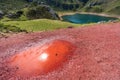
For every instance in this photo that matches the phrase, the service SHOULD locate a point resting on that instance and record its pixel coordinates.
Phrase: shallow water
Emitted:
(86, 18)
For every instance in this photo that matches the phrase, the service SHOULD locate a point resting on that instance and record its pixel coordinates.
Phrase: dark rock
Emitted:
(29, 0)
(70, 27)
(1, 14)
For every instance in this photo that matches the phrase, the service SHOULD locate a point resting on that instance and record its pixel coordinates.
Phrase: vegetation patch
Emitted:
(40, 24)
(9, 29)
(40, 12)
(96, 9)
(115, 10)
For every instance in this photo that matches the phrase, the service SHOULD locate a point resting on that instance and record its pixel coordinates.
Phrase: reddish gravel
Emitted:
(97, 56)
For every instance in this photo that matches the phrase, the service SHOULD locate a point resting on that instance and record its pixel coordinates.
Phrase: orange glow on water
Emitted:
(39, 60)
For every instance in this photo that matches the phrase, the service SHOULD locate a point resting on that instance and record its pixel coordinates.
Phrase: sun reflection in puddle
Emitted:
(39, 60)
(43, 57)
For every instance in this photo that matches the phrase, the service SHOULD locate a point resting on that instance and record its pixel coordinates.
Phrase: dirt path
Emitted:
(97, 56)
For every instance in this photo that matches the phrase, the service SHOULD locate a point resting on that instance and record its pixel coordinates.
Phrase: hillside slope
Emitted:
(40, 24)
(97, 55)
(108, 6)
(7, 5)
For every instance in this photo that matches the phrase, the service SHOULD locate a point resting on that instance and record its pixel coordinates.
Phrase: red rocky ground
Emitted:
(97, 54)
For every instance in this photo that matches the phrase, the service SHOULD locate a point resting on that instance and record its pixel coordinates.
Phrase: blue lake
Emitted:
(86, 18)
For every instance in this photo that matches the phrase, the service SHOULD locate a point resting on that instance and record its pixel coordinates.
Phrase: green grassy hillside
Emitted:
(108, 6)
(114, 8)
(7, 5)
(40, 24)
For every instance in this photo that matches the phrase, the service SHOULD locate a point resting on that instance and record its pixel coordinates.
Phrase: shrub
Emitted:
(96, 9)
(15, 15)
(9, 28)
(87, 9)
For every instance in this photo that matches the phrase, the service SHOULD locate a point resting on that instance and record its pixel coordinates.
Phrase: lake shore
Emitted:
(99, 14)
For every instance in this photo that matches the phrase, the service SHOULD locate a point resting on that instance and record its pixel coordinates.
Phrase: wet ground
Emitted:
(96, 57)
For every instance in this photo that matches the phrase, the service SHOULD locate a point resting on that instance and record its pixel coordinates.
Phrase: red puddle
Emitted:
(40, 60)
